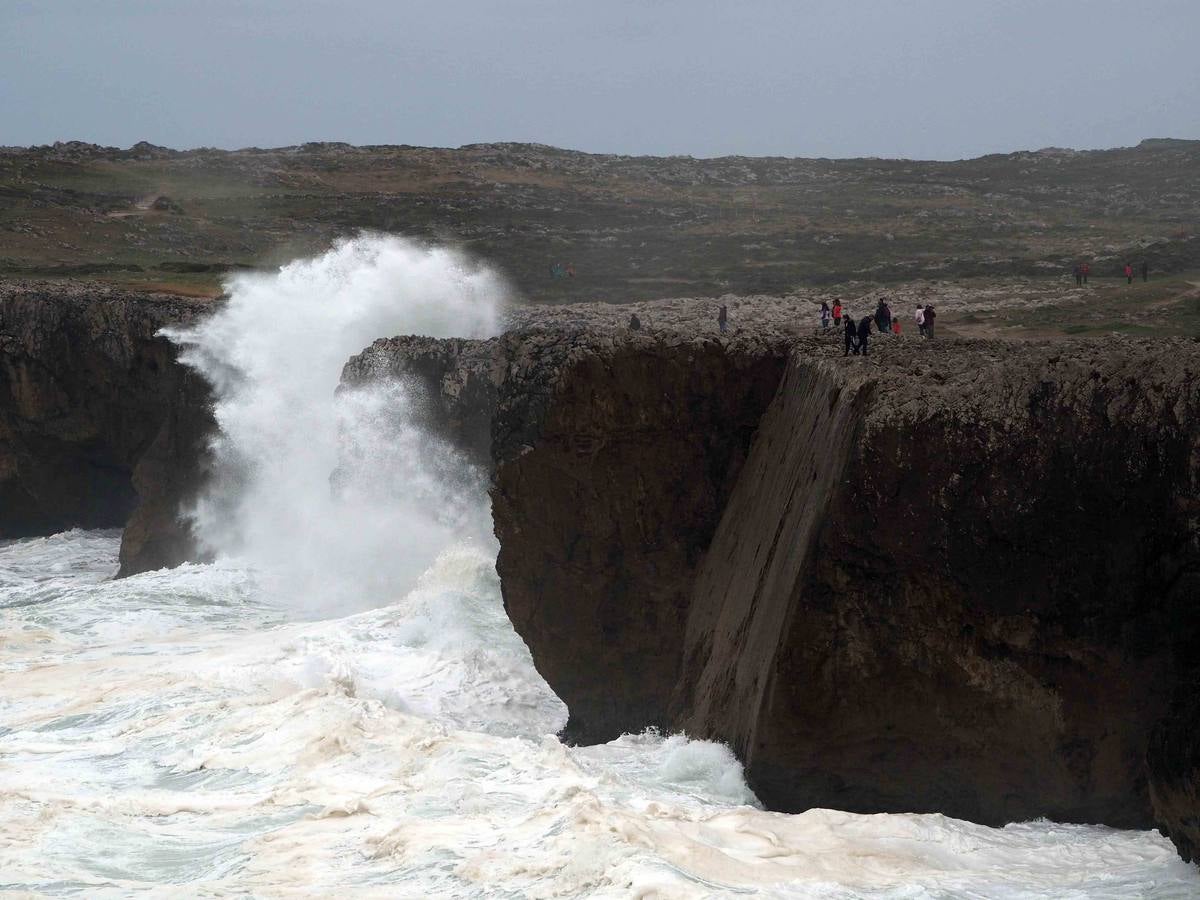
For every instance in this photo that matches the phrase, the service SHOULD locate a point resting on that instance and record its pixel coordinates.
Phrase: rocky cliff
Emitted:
(99, 424)
(957, 577)
(965, 583)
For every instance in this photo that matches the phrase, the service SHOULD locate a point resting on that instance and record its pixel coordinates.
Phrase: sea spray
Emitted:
(273, 354)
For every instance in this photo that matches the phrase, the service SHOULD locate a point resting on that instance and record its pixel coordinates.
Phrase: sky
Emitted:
(925, 79)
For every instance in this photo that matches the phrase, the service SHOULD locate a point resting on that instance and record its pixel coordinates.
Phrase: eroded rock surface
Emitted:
(989, 613)
(99, 424)
(955, 576)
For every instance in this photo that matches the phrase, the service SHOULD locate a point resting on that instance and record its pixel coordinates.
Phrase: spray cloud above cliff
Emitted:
(273, 354)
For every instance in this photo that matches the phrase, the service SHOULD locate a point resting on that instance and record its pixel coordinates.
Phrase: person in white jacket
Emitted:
(920, 317)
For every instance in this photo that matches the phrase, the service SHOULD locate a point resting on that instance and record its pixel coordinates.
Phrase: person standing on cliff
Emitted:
(864, 333)
(1078, 273)
(930, 315)
(1087, 270)
(883, 317)
(1145, 272)
(824, 313)
(920, 320)
(723, 318)
(851, 334)
(1128, 273)
(635, 324)
(837, 313)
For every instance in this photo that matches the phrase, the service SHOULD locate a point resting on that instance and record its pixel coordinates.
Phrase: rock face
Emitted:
(964, 581)
(99, 424)
(959, 577)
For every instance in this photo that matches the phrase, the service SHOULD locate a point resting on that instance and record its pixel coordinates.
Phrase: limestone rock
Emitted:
(99, 423)
(955, 576)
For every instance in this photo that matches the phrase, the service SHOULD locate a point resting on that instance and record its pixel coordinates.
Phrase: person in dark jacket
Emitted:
(864, 332)
(1145, 271)
(635, 324)
(723, 318)
(1078, 273)
(883, 317)
(930, 315)
(851, 334)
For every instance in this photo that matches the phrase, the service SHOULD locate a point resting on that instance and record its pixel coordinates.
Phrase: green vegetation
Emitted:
(634, 227)
(1160, 308)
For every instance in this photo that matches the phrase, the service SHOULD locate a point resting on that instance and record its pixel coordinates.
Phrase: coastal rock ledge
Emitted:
(956, 576)
(101, 426)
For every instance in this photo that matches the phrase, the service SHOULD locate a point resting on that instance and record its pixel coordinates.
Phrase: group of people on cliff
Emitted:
(857, 334)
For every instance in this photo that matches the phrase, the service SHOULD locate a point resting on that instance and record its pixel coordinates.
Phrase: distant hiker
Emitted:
(1086, 271)
(722, 318)
(635, 324)
(1145, 271)
(1128, 273)
(837, 313)
(930, 315)
(883, 317)
(851, 334)
(920, 319)
(824, 316)
(1078, 273)
(864, 332)
(570, 270)
(896, 326)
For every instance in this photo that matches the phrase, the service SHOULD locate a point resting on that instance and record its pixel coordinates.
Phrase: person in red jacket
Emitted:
(1086, 271)
(837, 313)
(1128, 273)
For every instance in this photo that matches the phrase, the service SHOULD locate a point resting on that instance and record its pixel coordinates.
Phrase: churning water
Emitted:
(338, 706)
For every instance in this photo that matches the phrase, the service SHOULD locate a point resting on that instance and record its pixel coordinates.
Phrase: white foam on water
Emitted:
(339, 706)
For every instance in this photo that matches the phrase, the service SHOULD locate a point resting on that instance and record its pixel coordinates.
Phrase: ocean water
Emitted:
(339, 707)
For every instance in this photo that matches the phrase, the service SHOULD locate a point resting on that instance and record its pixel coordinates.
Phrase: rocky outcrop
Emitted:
(99, 424)
(1174, 765)
(664, 414)
(455, 380)
(989, 614)
(959, 577)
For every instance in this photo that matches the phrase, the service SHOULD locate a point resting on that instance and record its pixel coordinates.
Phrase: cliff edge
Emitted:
(955, 577)
(100, 426)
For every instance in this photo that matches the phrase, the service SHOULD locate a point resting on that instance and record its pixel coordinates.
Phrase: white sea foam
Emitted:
(197, 732)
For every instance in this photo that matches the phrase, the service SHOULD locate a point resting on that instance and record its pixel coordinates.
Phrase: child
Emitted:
(896, 327)
(824, 316)
(837, 313)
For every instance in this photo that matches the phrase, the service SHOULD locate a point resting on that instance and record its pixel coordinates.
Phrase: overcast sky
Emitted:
(936, 79)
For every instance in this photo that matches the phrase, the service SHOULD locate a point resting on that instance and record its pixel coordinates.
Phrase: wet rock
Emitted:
(100, 425)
